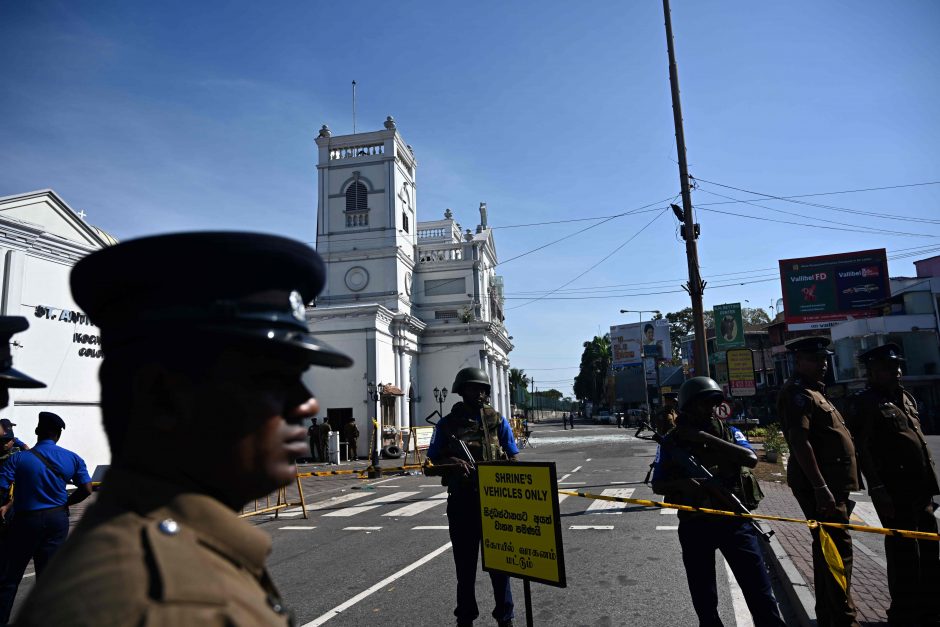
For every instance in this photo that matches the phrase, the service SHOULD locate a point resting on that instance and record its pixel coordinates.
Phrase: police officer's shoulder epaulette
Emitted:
(184, 567)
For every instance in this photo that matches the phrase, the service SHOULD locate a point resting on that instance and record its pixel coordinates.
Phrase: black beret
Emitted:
(815, 344)
(242, 286)
(885, 352)
(48, 420)
(9, 376)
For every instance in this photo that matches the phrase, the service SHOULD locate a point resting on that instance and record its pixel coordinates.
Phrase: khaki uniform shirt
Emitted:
(802, 404)
(666, 420)
(148, 553)
(891, 445)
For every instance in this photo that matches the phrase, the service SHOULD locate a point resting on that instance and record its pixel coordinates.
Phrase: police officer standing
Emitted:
(6, 427)
(822, 471)
(902, 480)
(40, 505)
(487, 436)
(667, 415)
(725, 455)
(351, 432)
(323, 438)
(206, 344)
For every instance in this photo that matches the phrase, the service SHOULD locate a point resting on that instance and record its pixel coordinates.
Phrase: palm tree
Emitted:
(517, 379)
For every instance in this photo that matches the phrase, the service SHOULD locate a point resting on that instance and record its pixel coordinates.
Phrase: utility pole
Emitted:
(695, 287)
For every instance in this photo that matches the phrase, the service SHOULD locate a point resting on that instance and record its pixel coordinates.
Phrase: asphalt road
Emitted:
(623, 563)
(377, 552)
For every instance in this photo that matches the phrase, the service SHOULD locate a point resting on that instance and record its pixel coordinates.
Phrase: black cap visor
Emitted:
(13, 378)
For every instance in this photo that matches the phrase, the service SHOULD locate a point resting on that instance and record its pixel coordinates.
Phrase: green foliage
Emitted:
(595, 363)
(774, 440)
(517, 379)
(757, 432)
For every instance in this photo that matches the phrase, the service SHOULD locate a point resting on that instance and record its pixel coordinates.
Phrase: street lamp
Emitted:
(641, 312)
(375, 395)
(439, 395)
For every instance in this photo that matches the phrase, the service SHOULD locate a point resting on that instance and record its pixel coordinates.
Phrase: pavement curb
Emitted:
(799, 593)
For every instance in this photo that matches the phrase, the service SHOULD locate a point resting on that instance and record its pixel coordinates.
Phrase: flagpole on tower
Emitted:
(354, 106)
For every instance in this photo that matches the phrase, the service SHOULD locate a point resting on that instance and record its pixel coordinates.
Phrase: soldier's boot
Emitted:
(504, 623)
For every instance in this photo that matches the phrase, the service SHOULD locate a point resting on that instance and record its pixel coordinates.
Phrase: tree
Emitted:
(754, 317)
(591, 380)
(681, 324)
(517, 379)
(552, 394)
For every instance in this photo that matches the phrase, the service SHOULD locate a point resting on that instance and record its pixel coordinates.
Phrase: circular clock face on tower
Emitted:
(408, 283)
(357, 278)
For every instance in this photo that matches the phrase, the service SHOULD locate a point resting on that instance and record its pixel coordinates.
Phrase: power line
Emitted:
(800, 215)
(815, 226)
(794, 199)
(602, 260)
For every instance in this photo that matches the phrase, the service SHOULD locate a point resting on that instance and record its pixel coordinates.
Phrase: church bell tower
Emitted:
(366, 217)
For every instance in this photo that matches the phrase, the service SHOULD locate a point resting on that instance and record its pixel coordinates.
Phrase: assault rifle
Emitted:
(697, 471)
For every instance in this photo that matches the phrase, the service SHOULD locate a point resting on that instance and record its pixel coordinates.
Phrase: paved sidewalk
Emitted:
(869, 578)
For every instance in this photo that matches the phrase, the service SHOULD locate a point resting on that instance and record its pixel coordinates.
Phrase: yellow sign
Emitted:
(521, 528)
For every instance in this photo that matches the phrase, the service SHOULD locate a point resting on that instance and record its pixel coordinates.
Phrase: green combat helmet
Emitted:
(695, 388)
(469, 375)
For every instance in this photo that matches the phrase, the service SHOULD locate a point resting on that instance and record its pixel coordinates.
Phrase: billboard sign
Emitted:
(630, 342)
(819, 292)
(729, 326)
(741, 372)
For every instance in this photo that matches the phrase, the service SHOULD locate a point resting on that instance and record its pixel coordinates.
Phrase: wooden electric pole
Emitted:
(695, 287)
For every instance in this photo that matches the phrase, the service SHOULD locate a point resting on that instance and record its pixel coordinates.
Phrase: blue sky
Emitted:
(156, 117)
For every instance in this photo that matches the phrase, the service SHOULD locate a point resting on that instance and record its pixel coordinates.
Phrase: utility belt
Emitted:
(37, 512)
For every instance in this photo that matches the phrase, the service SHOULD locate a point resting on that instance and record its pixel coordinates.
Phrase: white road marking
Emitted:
(392, 498)
(416, 508)
(389, 486)
(336, 500)
(288, 514)
(572, 482)
(427, 527)
(667, 527)
(429, 485)
(297, 528)
(29, 575)
(346, 512)
(742, 615)
(588, 459)
(610, 507)
(577, 469)
(669, 512)
(373, 589)
(361, 528)
(565, 477)
(617, 482)
(600, 527)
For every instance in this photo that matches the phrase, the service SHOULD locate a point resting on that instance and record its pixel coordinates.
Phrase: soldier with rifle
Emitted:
(703, 464)
(472, 432)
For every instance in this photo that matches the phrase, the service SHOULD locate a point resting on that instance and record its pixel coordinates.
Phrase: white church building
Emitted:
(41, 238)
(412, 302)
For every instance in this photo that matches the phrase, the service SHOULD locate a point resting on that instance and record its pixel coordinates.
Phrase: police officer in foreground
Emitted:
(902, 481)
(726, 455)
(666, 417)
(40, 505)
(488, 437)
(205, 344)
(822, 470)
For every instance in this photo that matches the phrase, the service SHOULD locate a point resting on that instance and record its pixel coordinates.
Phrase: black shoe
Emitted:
(504, 623)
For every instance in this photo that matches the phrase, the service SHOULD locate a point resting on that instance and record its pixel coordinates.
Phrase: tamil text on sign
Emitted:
(521, 530)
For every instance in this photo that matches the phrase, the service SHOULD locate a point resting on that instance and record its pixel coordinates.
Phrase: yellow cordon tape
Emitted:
(812, 524)
(363, 471)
